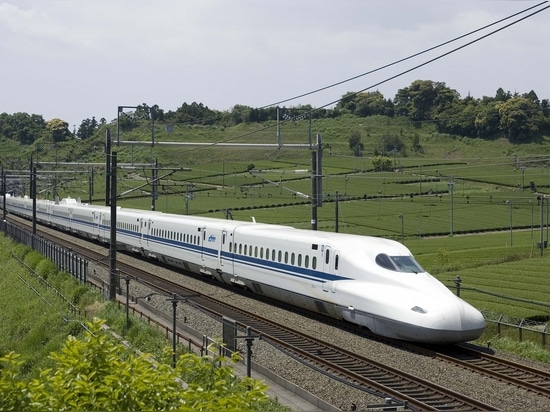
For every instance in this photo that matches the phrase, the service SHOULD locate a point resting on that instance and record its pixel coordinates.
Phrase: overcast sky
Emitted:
(75, 59)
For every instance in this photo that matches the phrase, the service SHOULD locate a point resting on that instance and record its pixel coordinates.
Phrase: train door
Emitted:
(100, 225)
(221, 248)
(49, 214)
(70, 210)
(148, 231)
(95, 224)
(330, 267)
(142, 230)
(202, 241)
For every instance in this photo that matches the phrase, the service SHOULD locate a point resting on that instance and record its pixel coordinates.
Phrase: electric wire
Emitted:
(435, 58)
(403, 59)
(407, 70)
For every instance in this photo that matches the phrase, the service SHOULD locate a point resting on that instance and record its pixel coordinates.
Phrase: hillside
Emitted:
(413, 168)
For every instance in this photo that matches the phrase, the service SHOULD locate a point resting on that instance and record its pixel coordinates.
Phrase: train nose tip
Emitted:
(472, 319)
(458, 322)
(464, 323)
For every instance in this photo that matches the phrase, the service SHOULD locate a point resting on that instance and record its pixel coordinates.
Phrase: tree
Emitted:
(487, 120)
(381, 163)
(458, 118)
(87, 128)
(194, 113)
(519, 119)
(22, 127)
(355, 143)
(502, 96)
(365, 104)
(423, 99)
(59, 129)
(98, 373)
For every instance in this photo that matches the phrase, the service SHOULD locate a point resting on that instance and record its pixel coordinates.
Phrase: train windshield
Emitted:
(405, 264)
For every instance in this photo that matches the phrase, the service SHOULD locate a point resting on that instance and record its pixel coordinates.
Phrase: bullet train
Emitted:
(369, 281)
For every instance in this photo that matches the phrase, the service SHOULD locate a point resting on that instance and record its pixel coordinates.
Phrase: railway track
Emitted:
(534, 380)
(359, 372)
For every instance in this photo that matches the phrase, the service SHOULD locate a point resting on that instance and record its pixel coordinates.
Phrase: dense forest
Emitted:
(520, 118)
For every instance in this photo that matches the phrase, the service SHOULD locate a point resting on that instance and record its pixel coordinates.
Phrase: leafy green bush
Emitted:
(98, 373)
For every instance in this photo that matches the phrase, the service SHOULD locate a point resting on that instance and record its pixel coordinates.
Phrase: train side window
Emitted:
(306, 263)
(245, 249)
(240, 248)
(327, 256)
(336, 261)
(292, 258)
(299, 259)
(273, 255)
(261, 253)
(314, 262)
(267, 253)
(250, 250)
(280, 256)
(286, 257)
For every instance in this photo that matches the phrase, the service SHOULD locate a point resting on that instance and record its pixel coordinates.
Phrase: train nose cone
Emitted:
(473, 322)
(461, 322)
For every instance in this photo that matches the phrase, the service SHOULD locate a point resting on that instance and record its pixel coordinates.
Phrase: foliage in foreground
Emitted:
(98, 373)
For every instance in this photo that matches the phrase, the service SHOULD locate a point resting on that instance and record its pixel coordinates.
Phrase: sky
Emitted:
(78, 59)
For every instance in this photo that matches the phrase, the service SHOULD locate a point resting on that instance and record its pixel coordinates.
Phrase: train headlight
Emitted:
(418, 309)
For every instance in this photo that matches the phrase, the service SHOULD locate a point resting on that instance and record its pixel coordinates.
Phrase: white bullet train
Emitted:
(370, 281)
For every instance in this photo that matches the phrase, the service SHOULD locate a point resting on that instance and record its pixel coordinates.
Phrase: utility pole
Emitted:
(113, 278)
(313, 190)
(107, 167)
(316, 182)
